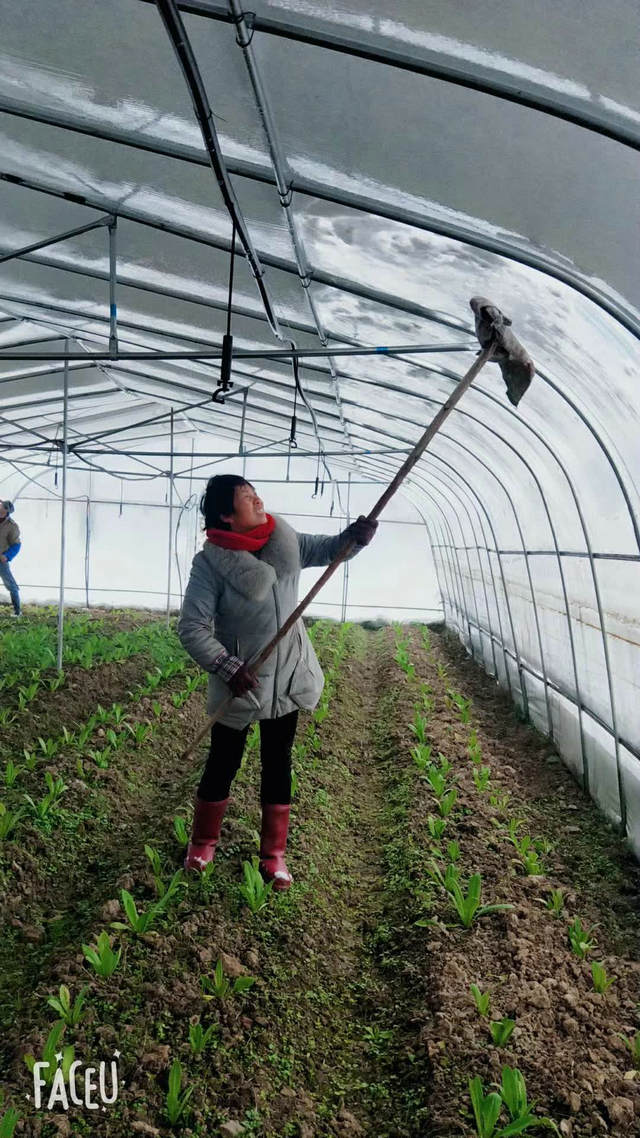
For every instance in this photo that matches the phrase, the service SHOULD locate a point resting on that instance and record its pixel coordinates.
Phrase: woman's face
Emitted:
(248, 509)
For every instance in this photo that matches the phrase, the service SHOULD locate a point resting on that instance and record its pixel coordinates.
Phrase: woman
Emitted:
(243, 586)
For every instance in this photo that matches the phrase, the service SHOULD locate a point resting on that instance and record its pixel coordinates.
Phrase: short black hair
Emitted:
(218, 499)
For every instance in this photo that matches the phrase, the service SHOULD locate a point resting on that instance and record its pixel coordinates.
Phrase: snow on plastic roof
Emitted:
(386, 165)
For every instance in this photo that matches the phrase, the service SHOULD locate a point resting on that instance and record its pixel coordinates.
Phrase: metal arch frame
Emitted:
(432, 475)
(283, 176)
(595, 434)
(532, 473)
(402, 215)
(461, 605)
(479, 506)
(598, 599)
(326, 279)
(430, 64)
(474, 496)
(565, 597)
(452, 439)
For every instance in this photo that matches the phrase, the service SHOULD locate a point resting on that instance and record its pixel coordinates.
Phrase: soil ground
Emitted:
(360, 1020)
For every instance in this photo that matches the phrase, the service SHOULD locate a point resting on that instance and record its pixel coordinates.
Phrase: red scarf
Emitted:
(251, 541)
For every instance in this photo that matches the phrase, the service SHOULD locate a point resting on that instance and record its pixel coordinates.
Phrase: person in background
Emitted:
(242, 588)
(9, 546)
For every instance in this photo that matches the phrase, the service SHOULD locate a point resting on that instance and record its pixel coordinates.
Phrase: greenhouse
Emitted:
(319, 569)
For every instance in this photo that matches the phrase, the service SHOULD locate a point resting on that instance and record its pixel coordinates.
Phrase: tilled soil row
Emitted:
(566, 1039)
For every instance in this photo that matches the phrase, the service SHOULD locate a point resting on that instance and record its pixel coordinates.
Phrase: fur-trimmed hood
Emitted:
(254, 575)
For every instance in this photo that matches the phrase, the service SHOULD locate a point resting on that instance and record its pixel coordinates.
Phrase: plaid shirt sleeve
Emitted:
(226, 666)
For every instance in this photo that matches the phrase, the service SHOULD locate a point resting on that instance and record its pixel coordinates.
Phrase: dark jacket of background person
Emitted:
(237, 601)
(9, 538)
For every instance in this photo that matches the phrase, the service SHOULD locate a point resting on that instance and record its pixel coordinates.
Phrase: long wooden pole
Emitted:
(394, 485)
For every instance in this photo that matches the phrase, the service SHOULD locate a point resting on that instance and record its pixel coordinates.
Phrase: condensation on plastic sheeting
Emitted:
(409, 195)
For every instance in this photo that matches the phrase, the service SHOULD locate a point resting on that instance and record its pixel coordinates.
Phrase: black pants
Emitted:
(225, 756)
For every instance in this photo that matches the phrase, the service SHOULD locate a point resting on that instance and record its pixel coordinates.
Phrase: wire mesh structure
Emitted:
(247, 240)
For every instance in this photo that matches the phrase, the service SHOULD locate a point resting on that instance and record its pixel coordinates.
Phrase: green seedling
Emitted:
(447, 879)
(294, 784)
(7, 716)
(101, 955)
(632, 1043)
(500, 800)
(177, 1099)
(117, 714)
(200, 1039)
(421, 755)
(437, 781)
(377, 1038)
(69, 1013)
(442, 672)
(49, 747)
(513, 1091)
(463, 705)
(426, 639)
(453, 851)
(219, 986)
(601, 981)
(70, 738)
(419, 727)
(46, 808)
(30, 759)
(254, 890)
(8, 820)
(101, 715)
(486, 1108)
(447, 802)
(481, 776)
(101, 758)
(139, 732)
(8, 1123)
(83, 735)
(580, 939)
(55, 682)
(156, 708)
(180, 830)
(49, 1052)
(555, 902)
(482, 1000)
(467, 905)
(436, 827)
(501, 1030)
(11, 772)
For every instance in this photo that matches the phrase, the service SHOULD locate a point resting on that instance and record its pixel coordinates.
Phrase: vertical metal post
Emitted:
(242, 421)
(170, 524)
(195, 510)
(63, 520)
(345, 564)
(113, 309)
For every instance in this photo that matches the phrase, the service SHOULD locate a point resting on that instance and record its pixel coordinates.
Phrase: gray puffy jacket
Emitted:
(238, 601)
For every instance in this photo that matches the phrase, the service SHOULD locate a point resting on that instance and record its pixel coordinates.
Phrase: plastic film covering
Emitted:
(386, 166)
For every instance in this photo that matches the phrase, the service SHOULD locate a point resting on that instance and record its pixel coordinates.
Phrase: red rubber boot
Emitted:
(205, 835)
(273, 843)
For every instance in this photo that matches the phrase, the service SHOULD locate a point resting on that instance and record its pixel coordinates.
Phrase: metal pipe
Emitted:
(240, 353)
(54, 240)
(181, 44)
(345, 564)
(170, 520)
(63, 522)
(465, 73)
(113, 308)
